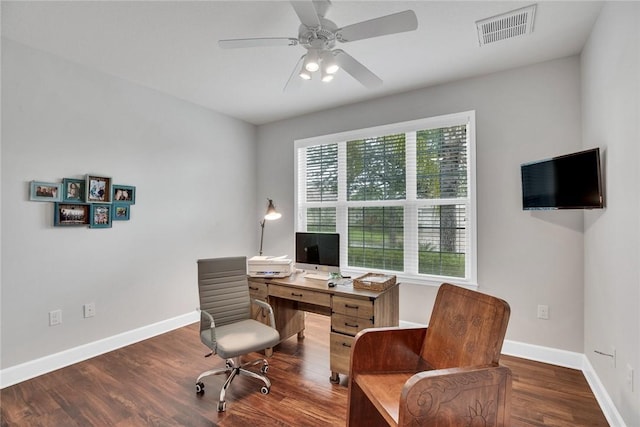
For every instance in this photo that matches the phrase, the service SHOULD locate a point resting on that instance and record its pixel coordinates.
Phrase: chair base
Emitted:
(233, 367)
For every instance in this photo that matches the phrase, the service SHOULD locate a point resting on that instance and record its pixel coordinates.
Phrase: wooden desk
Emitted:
(351, 310)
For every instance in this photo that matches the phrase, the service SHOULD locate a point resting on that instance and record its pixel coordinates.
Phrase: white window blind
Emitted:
(402, 196)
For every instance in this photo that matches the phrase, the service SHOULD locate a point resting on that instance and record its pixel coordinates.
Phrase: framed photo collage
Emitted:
(92, 201)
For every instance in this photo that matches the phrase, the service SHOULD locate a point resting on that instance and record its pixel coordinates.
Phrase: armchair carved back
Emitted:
(466, 328)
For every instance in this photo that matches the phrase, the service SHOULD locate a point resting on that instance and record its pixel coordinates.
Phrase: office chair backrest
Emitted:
(224, 290)
(466, 328)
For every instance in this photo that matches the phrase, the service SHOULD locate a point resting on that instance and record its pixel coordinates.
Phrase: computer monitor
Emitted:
(318, 254)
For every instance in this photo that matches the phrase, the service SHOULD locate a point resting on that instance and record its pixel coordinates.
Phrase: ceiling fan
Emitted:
(318, 36)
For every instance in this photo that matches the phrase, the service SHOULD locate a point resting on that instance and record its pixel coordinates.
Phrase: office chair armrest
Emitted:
(266, 306)
(212, 324)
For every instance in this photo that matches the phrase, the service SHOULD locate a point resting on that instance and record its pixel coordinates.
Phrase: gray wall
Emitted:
(194, 173)
(611, 116)
(527, 258)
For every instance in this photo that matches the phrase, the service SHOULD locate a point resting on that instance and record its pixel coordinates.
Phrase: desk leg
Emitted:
(289, 320)
(268, 352)
(335, 378)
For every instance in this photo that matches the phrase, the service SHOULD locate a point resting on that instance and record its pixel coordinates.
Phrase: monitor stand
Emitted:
(318, 276)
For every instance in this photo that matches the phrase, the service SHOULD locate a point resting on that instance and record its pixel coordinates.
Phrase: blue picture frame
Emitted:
(73, 190)
(40, 191)
(121, 211)
(101, 215)
(123, 194)
(70, 214)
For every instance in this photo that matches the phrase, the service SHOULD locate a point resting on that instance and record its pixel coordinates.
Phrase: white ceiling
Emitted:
(171, 46)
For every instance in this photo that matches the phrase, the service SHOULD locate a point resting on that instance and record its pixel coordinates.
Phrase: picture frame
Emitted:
(97, 189)
(45, 191)
(124, 194)
(121, 211)
(101, 215)
(71, 214)
(73, 190)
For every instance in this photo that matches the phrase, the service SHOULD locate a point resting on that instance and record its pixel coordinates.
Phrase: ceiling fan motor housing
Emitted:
(321, 37)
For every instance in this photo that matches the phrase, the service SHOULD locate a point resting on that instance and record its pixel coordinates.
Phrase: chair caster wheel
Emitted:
(200, 387)
(264, 369)
(222, 406)
(228, 364)
(264, 389)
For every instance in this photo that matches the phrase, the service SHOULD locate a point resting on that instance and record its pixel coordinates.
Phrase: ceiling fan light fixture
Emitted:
(326, 77)
(312, 61)
(329, 64)
(304, 74)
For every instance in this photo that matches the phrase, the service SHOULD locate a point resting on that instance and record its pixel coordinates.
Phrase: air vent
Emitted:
(507, 25)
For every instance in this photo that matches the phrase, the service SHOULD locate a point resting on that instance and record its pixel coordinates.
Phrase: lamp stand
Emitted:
(261, 235)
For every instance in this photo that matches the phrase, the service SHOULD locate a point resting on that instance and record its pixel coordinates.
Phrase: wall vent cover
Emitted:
(507, 25)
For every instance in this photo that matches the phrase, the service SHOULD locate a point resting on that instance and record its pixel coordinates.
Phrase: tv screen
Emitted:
(318, 251)
(571, 181)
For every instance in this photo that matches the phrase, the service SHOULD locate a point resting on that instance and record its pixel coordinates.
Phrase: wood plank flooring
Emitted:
(152, 383)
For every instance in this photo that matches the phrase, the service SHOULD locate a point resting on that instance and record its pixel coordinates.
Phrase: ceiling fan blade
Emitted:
(322, 6)
(390, 24)
(257, 42)
(307, 13)
(358, 71)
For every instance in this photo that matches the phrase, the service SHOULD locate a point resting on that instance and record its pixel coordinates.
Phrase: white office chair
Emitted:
(226, 326)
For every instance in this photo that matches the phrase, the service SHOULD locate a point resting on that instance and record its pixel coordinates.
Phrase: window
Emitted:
(403, 194)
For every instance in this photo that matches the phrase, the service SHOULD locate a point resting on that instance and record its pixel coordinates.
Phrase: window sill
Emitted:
(413, 280)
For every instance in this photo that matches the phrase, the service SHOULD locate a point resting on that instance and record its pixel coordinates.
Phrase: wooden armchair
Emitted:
(444, 375)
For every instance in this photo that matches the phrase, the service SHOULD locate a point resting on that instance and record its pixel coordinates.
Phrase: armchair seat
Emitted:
(385, 390)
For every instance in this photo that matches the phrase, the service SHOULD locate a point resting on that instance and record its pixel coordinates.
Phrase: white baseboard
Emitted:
(573, 360)
(606, 404)
(33, 368)
(554, 356)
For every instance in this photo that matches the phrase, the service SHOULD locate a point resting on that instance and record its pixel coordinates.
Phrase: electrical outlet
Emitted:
(89, 309)
(55, 317)
(543, 312)
(630, 378)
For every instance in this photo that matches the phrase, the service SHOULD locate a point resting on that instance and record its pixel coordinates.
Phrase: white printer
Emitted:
(268, 266)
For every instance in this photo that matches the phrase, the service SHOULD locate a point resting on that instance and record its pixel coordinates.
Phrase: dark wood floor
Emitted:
(151, 383)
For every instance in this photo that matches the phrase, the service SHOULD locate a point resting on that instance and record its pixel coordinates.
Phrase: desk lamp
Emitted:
(270, 215)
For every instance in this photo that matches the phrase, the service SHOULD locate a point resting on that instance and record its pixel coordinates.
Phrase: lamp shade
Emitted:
(272, 213)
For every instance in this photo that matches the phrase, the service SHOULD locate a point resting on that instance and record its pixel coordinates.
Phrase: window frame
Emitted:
(342, 205)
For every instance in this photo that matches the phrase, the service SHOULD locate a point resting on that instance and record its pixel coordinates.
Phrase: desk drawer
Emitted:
(340, 346)
(258, 290)
(350, 325)
(353, 307)
(303, 295)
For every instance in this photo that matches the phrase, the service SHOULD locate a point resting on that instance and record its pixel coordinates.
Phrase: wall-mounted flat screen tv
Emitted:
(572, 181)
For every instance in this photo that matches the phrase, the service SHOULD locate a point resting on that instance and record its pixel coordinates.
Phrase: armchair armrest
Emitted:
(477, 395)
(387, 350)
(264, 305)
